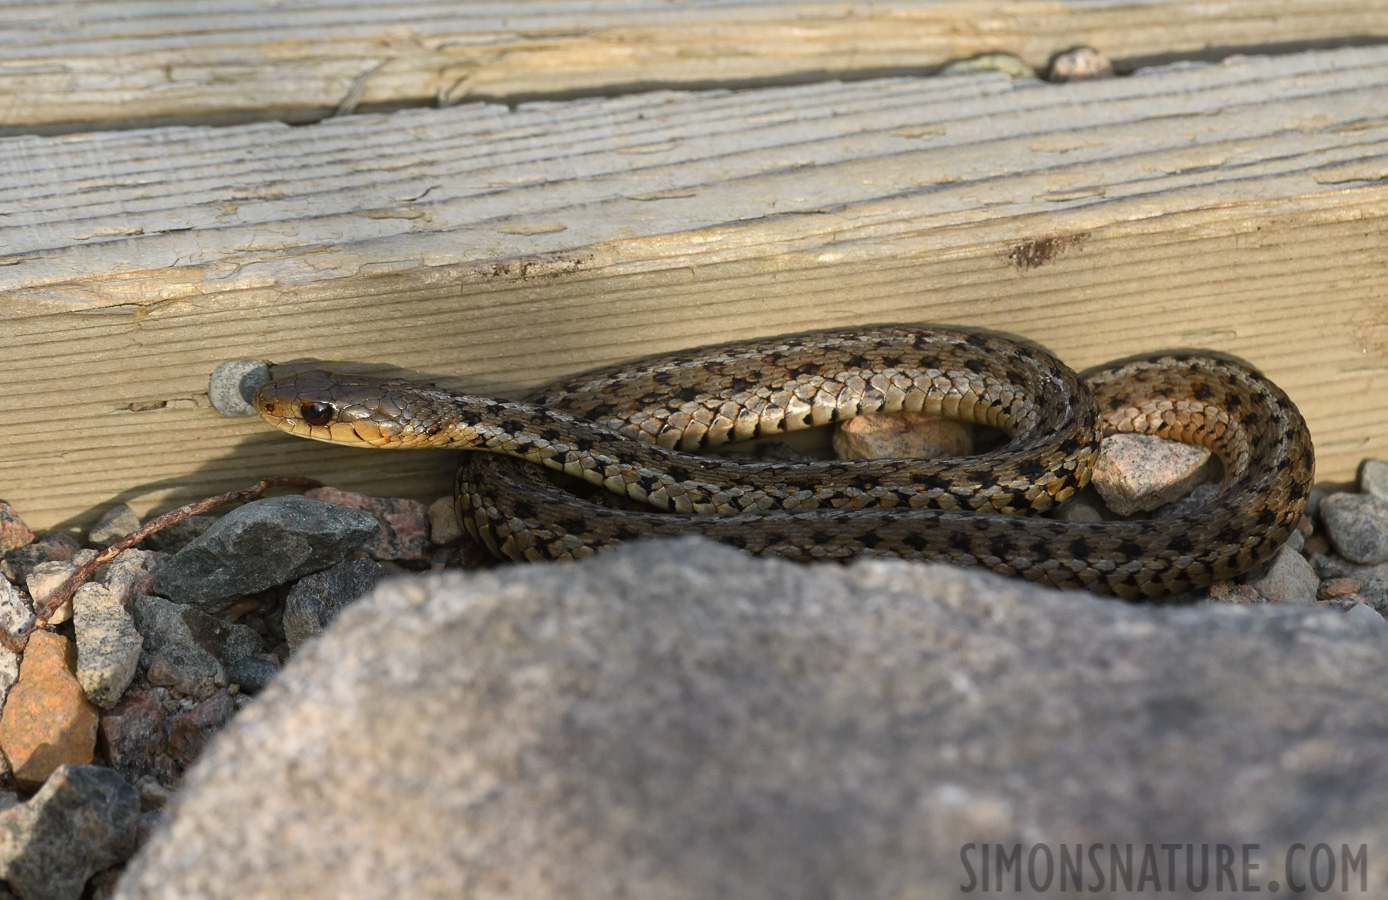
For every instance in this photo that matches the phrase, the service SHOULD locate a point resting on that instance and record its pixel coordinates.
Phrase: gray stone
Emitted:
(1138, 472)
(15, 613)
(443, 522)
(251, 674)
(1313, 501)
(780, 451)
(190, 729)
(13, 532)
(1365, 615)
(1373, 478)
(1375, 578)
(82, 820)
(1199, 497)
(1288, 578)
(1079, 64)
(153, 794)
(678, 720)
(403, 532)
(114, 524)
(135, 735)
(1086, 506)
(108, 645)
(45, 578)
(177, 535)
(231, 386)
(55, 545)
(1357, 524)
(128, 573)
(258, 546)
(318, 598)
(186, 649)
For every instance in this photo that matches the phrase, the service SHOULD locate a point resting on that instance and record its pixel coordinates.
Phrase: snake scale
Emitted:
(629, 429)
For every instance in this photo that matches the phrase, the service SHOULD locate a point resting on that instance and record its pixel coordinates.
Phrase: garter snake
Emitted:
(629, 428)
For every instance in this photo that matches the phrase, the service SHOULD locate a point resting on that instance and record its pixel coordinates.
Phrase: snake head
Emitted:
(339, 409)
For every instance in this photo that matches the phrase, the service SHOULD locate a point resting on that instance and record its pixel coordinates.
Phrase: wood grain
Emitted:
(1239, 207)
(129, 63)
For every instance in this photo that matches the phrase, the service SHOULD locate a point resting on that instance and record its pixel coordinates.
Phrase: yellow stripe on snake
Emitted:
(628, 429)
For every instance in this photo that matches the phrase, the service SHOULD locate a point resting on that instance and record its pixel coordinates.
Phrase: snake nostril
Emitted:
(317, 413)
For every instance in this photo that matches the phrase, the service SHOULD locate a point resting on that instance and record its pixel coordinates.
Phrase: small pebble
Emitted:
(114, 524)
(1316, 546)
(1086, 506)
(404, 524)
(154, 794)
(48, 721)
(1374, 593)
(902, 435)
(1345, 603)
(317, 599)
(1300, 534)
(46, 577)
(13, 532)
(1375, 577)
(17, 564)
(177, 535)
(473, 554)
(444, 529)
(1289, 579)
(1080, 64)
(1338, 587)
(441, 557)
(1365, 614)
(1139, 472)
(130, 573)
(16, 612)
(1373, 478)
(1198, 498)
(1232, 592)
(1357, 525)
(251, 674)
(135, 736)
(231, 386)
(82, 821)
(191, 729)
(1313, 501)
(108, 646)
(186, 649)
(779, 451)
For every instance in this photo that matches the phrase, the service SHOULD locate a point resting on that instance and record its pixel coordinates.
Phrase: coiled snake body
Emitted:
(627, 429)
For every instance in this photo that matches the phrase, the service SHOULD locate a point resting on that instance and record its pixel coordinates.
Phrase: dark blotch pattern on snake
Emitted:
(627, 429)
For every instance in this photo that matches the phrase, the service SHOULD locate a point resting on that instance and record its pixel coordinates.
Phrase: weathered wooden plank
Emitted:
(1238, 207)
(221, 61)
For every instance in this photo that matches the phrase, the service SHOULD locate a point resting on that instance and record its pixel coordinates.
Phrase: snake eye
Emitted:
(317, 413)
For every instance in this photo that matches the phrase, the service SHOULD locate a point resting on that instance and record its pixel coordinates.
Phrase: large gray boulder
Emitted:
(678, 720)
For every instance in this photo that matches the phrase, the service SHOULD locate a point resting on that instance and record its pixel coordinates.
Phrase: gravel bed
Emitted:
(104, 712)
